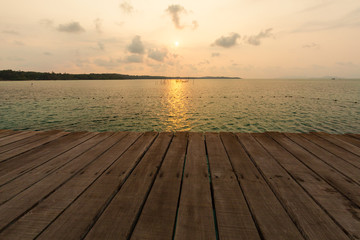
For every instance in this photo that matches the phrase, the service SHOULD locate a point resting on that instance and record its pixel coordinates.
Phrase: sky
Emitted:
(242, 38)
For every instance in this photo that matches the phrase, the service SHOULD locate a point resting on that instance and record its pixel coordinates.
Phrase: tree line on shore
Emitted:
(8, 75)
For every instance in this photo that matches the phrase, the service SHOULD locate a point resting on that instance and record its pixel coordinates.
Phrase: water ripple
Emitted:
(199, 105)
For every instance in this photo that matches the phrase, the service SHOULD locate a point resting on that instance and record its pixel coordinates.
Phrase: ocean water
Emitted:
(215, 105)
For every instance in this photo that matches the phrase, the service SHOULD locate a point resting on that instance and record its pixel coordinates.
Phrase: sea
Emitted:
(199, 105)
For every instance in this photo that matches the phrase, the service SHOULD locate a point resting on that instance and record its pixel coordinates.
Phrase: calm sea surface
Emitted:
(331, 106)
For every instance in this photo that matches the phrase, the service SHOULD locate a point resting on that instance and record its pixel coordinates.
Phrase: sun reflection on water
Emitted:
(177, 106)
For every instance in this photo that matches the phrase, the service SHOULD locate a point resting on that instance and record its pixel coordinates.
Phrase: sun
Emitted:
(176, 43)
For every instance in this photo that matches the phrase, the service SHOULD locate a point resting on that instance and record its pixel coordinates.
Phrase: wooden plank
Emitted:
(69, 146)
(15, 137)
(24, 138)
(330, 147)
(21, 182)
(313, 222)
(329, 158)
(232, 213)
(335, 204)
(267, 211)
(5, 133)
(78, 218)
(157, 219)
(349, 139)
(24, 148)
(357, 136)
(195, 216)
(38, 218)
(128, 201)
(342, 183)
(26, 200)
(337, 141)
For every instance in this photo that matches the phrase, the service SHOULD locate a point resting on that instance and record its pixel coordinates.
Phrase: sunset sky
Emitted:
(245, 38)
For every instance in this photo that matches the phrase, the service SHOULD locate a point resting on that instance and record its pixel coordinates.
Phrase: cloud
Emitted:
(346, 64)
(107, 63)
(72, 27)
(195, 25)
(120, 24)
(256, 39)
(82, 62)
(47, 22)
(136, 46)
(231, 40)
(134, 59)
(175, 11)
(10, 32)
(16, 59)
(228, 41)
(19, 43)
(98, 25)
(350, 20)
(311, 45)
(47, 53)
(317, 7)
(126, 7)
(101, 46)
(215, 54)
(158, 54)
(204, 62)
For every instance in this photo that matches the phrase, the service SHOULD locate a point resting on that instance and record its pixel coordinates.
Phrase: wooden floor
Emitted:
(129, 185)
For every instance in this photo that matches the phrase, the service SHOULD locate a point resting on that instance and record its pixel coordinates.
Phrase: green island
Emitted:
(10, 75)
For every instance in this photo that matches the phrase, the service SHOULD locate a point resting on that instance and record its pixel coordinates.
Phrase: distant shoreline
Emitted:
(10, 75)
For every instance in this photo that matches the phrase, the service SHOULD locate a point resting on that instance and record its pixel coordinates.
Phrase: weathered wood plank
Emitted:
(339, 181)
(6, 132)
(24, 148)
(357, 136)
(334, 149)
(265, 207)
(157, 218)
(329, 158)
(299, 205)
(128, 201)
(63, 149)
(195, 215)
(340, 143)
(14, 137)
(349, 139)
(79, 217)
(23, 138)
(232, 213)
(38, 218)
(23, 202)
(335, 204)
(31, 177)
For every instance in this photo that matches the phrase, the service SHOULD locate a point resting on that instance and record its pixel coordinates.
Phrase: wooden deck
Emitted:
(128, 185)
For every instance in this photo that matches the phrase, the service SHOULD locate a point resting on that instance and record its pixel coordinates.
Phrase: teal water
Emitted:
(331, 106)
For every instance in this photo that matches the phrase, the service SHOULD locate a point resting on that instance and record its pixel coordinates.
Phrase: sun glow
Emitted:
(176, 43)
(176, 105)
